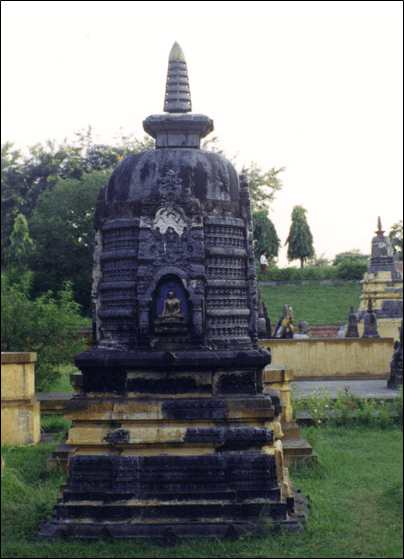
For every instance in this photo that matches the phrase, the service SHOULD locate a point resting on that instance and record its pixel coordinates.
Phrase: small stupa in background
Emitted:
(383, 284)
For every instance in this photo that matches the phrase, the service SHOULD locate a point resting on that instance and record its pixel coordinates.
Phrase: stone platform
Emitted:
(195, 453)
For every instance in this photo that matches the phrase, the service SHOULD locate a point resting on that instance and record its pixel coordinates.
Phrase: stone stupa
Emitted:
(173, 435)
(383, 284)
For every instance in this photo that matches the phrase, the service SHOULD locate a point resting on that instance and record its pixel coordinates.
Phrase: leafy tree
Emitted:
(45, 325)
(264, 233)
(11, 198)
(21, 244)
(24, 179)
(300, 238)
(262, 184)
(63, 230)
(354, 255)
(396, 239)
(319, 261)
(349, 269)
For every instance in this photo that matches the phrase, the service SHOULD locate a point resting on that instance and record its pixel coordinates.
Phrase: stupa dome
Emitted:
(204, 174)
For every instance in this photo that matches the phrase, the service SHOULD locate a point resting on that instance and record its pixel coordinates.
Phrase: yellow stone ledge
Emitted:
(139, 409)
(17, 357)
(98, 435)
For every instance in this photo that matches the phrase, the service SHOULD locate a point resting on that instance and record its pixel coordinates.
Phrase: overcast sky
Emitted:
(312, 86)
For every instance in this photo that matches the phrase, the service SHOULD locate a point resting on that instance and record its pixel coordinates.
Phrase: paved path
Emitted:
(360, 388)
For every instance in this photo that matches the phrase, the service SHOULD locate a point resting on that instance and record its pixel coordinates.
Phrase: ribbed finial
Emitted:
(379, 231)
(178, 96)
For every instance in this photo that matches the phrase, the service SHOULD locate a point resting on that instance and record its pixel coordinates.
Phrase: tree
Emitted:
(262, 184)
(62, 228)
(396, 239)
(45, 325)
(264, 233)
(24, 179)
(21, 245)
(354, 255)
(317, 261)
(300, 238)
(11, 198)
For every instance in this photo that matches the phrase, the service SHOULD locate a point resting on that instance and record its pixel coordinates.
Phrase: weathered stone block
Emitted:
(17, 375)
(20, 410)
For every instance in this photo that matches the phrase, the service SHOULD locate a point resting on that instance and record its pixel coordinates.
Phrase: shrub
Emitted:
(298, 274)
(42, 325)
(347, 409)
(317, 404)
(397, 406)
(351, 269)
(55, 424)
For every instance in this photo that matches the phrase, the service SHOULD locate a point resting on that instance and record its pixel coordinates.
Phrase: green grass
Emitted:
(54, 423)
(317, 304)
(355, 494)
(63, 383)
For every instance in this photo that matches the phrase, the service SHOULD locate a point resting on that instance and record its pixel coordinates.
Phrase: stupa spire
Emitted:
(178, 96)
(379, 231)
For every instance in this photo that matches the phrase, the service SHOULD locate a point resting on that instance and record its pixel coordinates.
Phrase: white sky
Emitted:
(313, 86)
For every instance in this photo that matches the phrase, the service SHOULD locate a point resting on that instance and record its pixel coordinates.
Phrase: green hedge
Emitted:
(347, 270)
(296, 274)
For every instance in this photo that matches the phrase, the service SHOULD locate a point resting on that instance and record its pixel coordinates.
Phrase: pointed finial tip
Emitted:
(379, 231)
(176, 53)
(177, 97)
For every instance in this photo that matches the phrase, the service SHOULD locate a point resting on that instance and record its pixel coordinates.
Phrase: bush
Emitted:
(42, 325)
(351, 269)
(317, 404)
(348, 409)
(347, 270)
(299, 274)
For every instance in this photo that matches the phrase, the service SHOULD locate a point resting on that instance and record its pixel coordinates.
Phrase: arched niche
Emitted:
(166, 284)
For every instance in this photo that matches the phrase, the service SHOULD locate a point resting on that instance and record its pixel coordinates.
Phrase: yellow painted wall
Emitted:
(323, 359)
(20, 409)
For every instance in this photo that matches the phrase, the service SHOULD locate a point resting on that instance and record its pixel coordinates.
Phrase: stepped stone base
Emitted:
(198, 453)
(299, 450)
(163, 532)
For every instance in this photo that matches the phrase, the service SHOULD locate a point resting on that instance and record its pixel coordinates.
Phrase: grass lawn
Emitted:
(63, 385)
(316, 303)
(356, 496)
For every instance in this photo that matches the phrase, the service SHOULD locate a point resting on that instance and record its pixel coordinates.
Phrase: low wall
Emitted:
(336, 359)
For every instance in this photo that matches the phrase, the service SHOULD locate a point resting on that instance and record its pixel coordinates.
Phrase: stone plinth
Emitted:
(336, 359)
(199, 450)
(20, 409)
